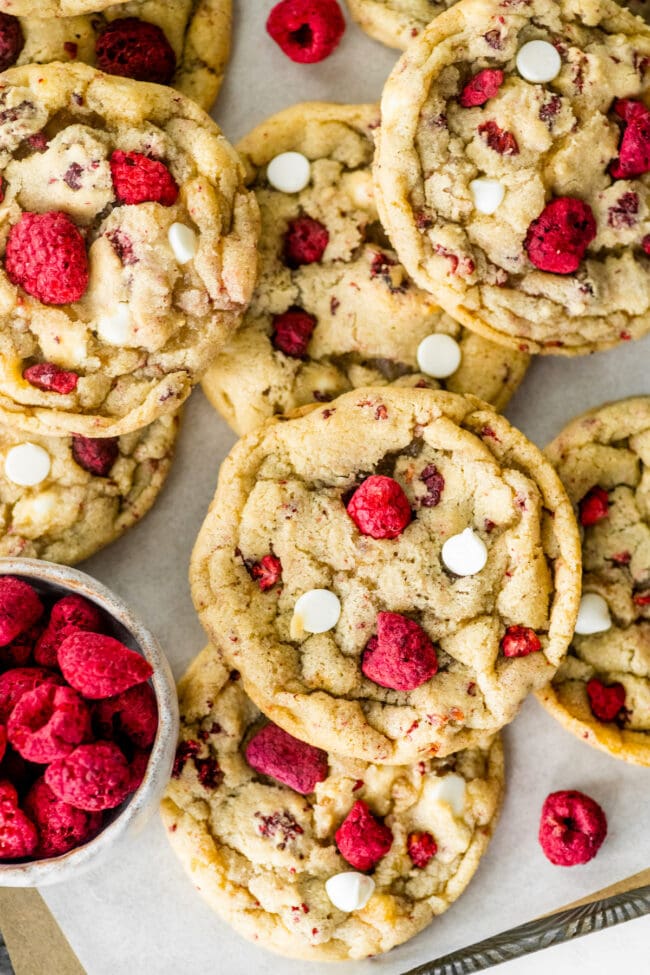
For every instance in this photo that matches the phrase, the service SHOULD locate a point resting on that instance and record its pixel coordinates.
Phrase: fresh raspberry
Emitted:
(12, 40)
(99, 666)
(18, 836)
(275, 752)
(401, 656)
(572, 828)
(519, 641)
(92, 777)
(305, 241)
(421, 848)
(267, 571)
(139, 179)
(133, 48)
(51, 378)
(133, 714)
(292, 331)
(634, 150)
(67, 615)
(379, 507)
(481, 88)
(498, 139)
(306, 30)
(435, 485)
(557, 240)
(14, 683)
(20, 608)
(594, 507)
(605, 700)
(95, 455)
(60, 826)
(363, 840)
(46, 256)
(48, 723)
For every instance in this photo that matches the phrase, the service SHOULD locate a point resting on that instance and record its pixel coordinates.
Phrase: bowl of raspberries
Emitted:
(88, 721)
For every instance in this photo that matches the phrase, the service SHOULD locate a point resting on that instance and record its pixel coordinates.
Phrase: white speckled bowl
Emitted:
(58, 580)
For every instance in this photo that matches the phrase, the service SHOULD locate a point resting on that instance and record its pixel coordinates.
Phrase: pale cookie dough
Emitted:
(370, 317)
(150, 320)
(609, 449)
(565, 134)
(260, 853)
(283, 491)
(396, 22)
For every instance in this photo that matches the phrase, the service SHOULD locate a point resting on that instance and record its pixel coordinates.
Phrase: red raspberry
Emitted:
(95, 455)
(572, 828)
(557, 240)
(68, 615)
(292, 331)
(92, 777)
(594, 507)
(363, 840)
(18, 836)
(519, 641)
(605, 700)
(46, 256)
(379, 507)
(401, 656)
(275, 752)
(305, 241)
(12, 40)
(133, 48)
(634, 150)
(267, 571)
(645, 243)
(52, 379)
(60, 826)
(435, 485)
(19, 651)
(99, 666)
(498, 139)
(421, 848)
(132, 714)
(3, 741)
(306, 30)
(642, 598)
(14, 683)
(139, 179)
(20, 608)
(138, 767)
(481, 88)
(48, 723)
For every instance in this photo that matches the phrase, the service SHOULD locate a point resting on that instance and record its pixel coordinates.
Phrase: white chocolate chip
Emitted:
(27, 464)
(316, 611)
(593, 615)
(114, 327)
(183, 241)
(349, 891)
(538, 62)
(289, 172)
(488, 195)
(451, 790)
(465, 554)
(439, 355)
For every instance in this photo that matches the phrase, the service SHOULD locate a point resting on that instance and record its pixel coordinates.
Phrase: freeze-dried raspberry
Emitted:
(275, 752)
(99, 666)
(3, 741)
(92, 777)
(68, 615)
(594, 507)
(557, 240)
(625, 212)
(435, 485)
(20, 608)
(96, 455)
(519, 641)
(138, 767)
(379, 507)
(46, 256)
(12, 40)
(18, 652)
(134, 48)
(642, 598)
(132, 714)
(306, 30)
(14, 683)
(421, 848)
(634, 150)
(267, 571)
(48, 723)
(51, 378)
(572, 828)
(292, 331)
(481, 88)
(605, 700)
(498, 139)
(18, 836)
(186, 749)
(363, 840)
(305, 241)
(401, 656)
(139, 179)
(60, 826)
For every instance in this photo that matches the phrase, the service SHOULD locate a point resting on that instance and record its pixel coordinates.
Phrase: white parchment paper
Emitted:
(139, 912)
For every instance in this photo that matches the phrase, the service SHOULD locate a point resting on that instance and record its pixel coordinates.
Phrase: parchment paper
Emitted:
(139, 912)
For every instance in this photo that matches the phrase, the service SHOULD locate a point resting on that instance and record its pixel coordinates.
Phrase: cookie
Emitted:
(396, 22)
(512, 170)
(64, 498)
(333, 308)
(602, 690)
(264, 855)
(391, 573)
(127, 248)
(185, 44)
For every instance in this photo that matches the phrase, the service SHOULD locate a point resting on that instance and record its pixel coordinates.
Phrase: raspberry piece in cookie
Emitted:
(481, 88)
(594, 507)
(634, 150)
(362, 839)
(18, 836)
(20, 608)
(12, 40)
(14, 683)
(96, 456)
(572, 828)
(134, 48)
(268, 571)
(139, 179)
(292, 331)
(67, 615)
(605, 700)
(421, 848)
(379, 507)
(132, 714)
(46, 256)
(60, 826)
(306, 30)
(48, 723)
(519, 641)
(275, 752)
(92, 777)
(499, 140)
(557, 240)
(51, 378)
(401, 656)
(305, 241)
(99, 666)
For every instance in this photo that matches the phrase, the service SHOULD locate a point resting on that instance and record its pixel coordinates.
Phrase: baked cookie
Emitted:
(396, 22)
(282, 847)
(127, 239)
(512, 170)
(185, 43)
(391, 573)
(333, 308)
(64, 498)
(602, 690)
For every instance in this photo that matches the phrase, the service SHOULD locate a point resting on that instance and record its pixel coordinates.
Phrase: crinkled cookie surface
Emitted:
(396, 22)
